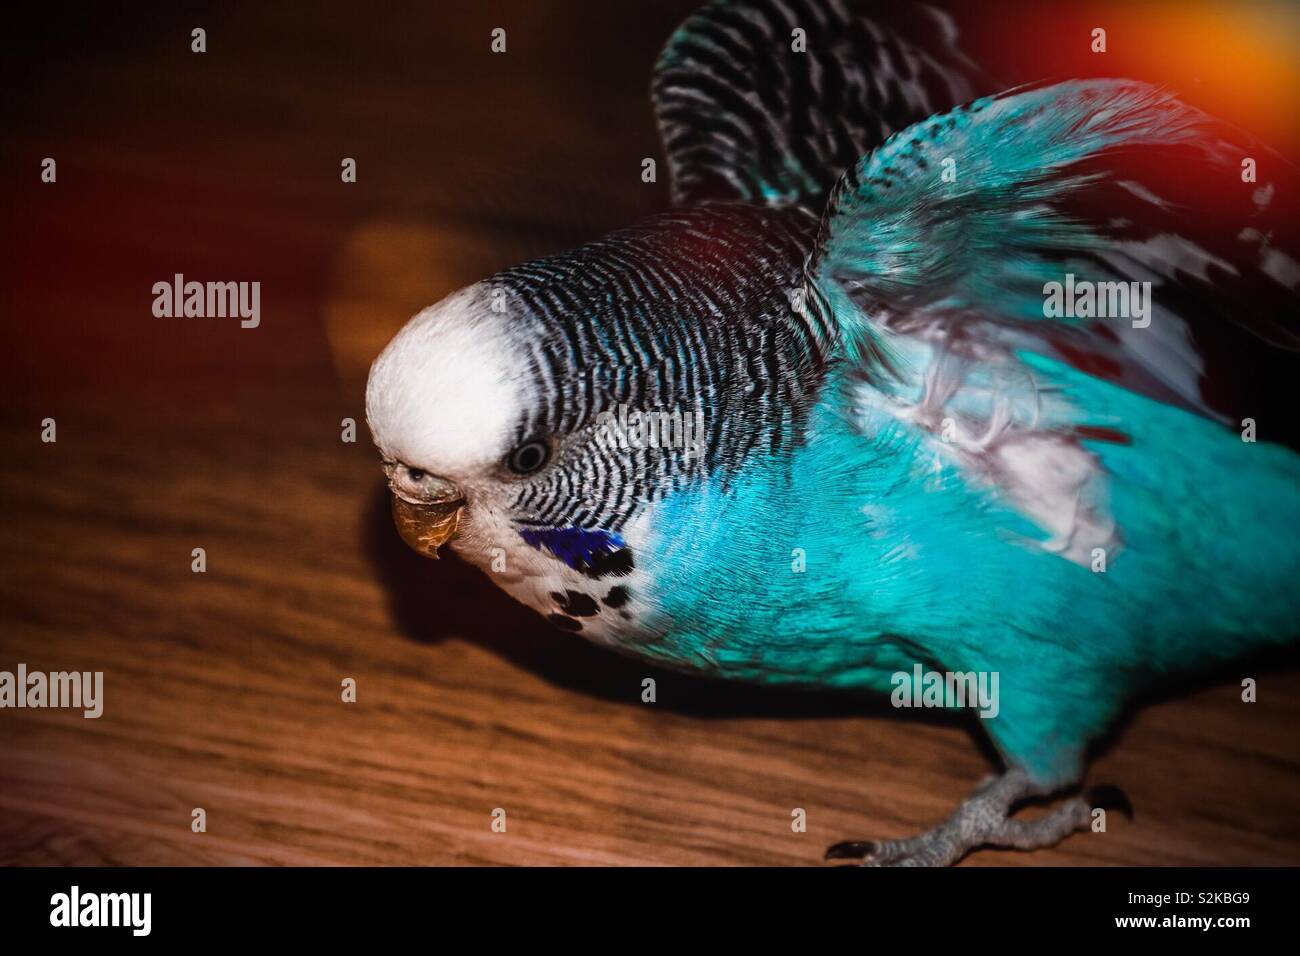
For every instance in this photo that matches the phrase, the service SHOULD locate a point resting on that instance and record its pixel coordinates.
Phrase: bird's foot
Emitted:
(984, 819)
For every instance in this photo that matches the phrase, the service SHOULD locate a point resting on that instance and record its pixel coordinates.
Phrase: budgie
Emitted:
(934, 372)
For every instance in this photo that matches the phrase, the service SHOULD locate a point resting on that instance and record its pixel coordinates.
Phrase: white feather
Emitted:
(448, 391)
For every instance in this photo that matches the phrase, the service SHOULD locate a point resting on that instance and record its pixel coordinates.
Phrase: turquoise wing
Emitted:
(1016, 279)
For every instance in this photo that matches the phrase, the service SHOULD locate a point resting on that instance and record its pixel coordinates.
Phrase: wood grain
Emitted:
(223, 688)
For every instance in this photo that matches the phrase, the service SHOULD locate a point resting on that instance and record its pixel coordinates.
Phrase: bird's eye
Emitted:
(528, 457)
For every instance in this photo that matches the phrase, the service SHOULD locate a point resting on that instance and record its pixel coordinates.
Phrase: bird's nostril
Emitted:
(415, 474)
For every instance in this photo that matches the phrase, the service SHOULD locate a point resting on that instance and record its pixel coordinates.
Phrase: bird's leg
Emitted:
(984, 819)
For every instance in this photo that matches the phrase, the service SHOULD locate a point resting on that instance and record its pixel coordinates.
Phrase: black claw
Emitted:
(1110, 798)
(850, 850)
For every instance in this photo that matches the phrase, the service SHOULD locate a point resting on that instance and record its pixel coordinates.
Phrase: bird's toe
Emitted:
(850, 850)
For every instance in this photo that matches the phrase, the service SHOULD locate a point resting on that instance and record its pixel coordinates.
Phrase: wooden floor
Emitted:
(222, 689)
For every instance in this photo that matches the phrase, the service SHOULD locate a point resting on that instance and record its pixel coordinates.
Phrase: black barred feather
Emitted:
(688, 311)
(745, 116)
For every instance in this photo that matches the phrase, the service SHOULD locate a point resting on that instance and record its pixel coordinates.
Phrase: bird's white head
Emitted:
(446, 395)
(447, 404)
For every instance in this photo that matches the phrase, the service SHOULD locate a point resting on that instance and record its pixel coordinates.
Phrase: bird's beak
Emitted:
(426, 528)
(427, 517)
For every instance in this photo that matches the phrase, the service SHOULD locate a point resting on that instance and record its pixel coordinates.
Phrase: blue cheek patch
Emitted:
(595, 553)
